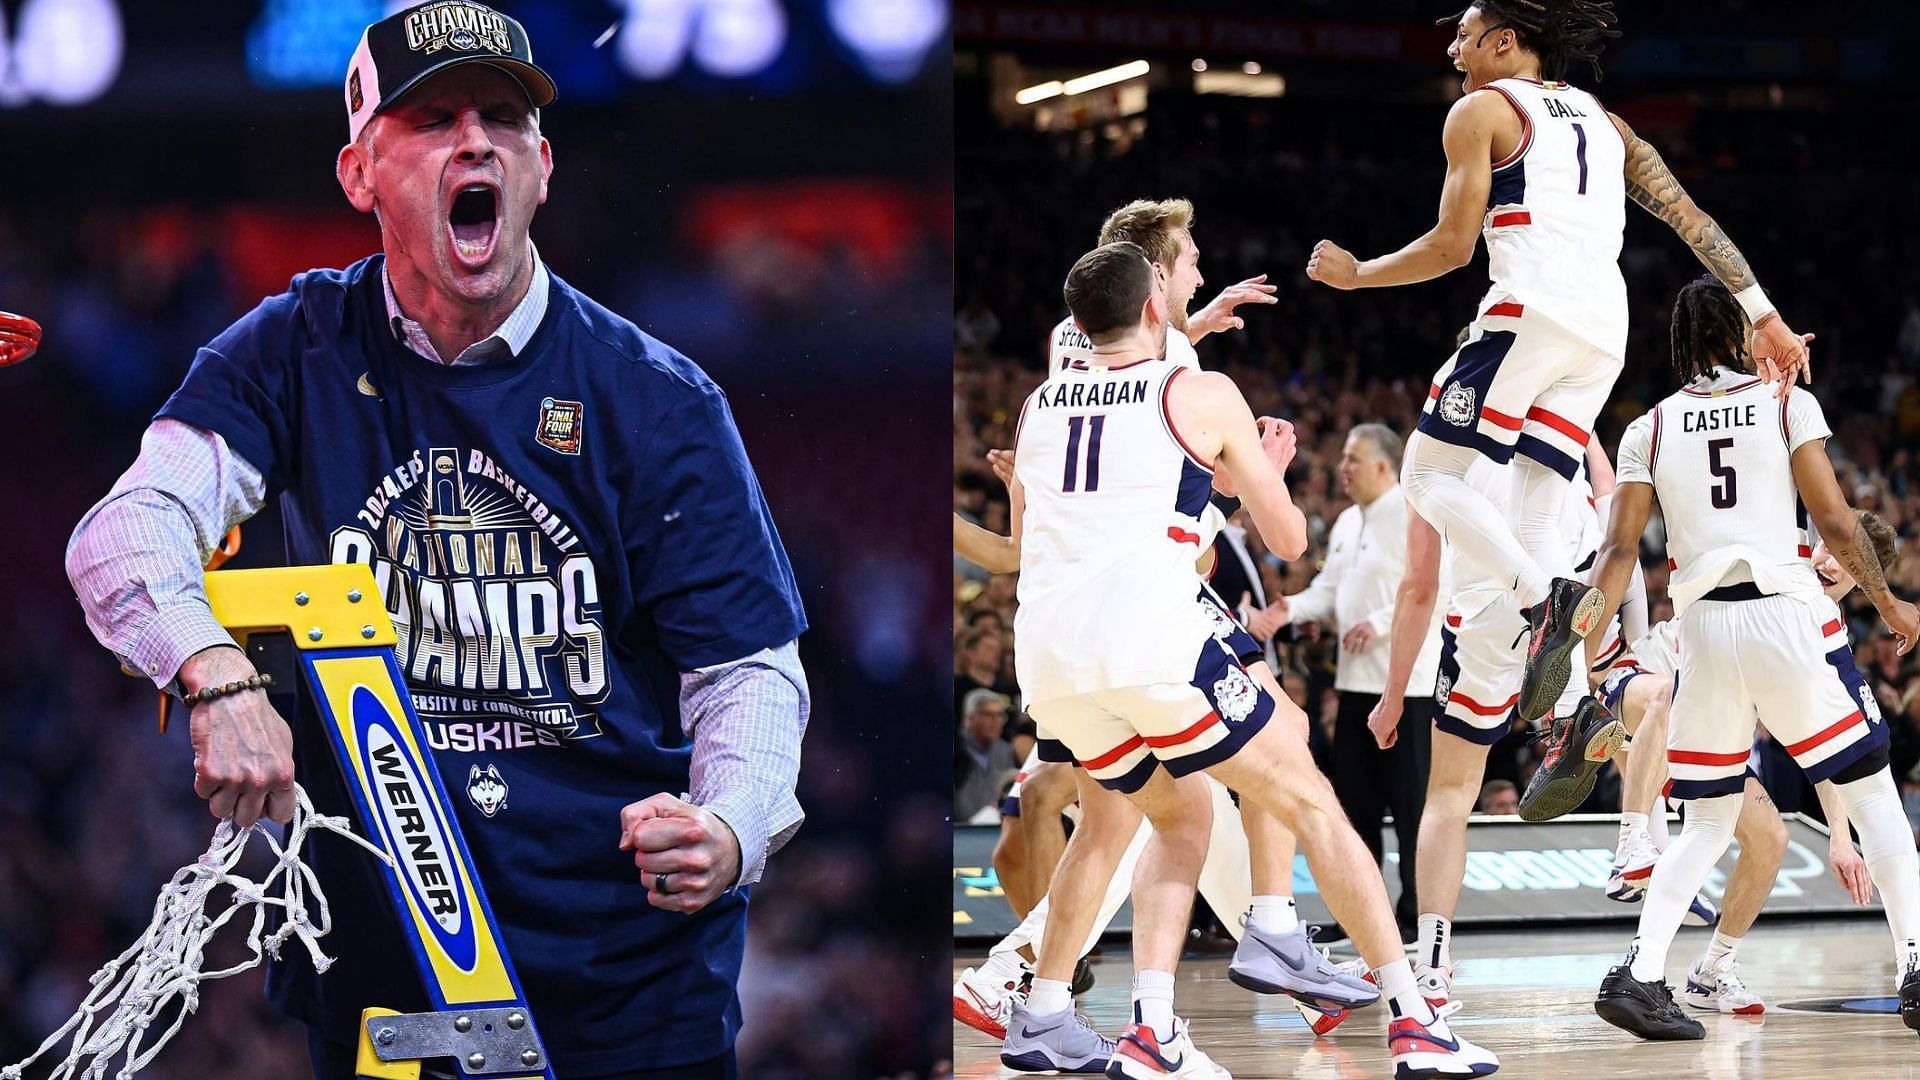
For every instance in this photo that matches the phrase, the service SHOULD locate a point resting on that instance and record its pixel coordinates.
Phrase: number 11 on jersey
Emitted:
(1092, 425)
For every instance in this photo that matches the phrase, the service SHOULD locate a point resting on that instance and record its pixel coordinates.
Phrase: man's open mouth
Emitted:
(473, 222)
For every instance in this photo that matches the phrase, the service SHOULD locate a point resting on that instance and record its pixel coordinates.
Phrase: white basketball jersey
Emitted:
(1556, 211)
(1109, 535)
(1068, 344)
(1719, 457)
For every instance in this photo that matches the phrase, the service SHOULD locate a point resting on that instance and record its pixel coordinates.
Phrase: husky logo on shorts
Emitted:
(1456, 405)
(1868, 703)
(1442, 692)
(1223, 627)
(1235, 695)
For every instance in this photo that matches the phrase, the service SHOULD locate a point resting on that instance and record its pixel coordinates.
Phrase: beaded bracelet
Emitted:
(209, 693)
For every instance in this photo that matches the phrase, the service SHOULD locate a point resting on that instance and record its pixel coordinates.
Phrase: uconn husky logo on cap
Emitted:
(461, 25)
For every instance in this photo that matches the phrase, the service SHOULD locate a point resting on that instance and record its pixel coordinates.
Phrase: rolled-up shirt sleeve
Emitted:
(746, 719)
(135, 560)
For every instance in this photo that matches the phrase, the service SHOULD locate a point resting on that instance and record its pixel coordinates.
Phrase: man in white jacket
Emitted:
(1353, 596)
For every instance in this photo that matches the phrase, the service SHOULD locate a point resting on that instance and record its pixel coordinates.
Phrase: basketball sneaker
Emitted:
(983, 1004)
(1644, 1008)
(1633, 864)
(1718, 987)
(1140, 1055)
(1323, 1021)
(1063, 1042)
(1619, 888)
(1288, 963)
(1432, 1050)
(1562, 621)
(1910, 993)
(1577, 746)
(1701, 912)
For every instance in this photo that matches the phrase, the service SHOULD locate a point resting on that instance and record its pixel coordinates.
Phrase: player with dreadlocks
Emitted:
(1741, 479)
(1544, 172)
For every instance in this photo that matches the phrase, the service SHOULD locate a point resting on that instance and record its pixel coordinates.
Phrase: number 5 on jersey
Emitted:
(1092, 426)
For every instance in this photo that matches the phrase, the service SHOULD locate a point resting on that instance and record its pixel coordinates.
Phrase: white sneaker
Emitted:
(1719, 988)
(1432, 1050)
(1138, 1055)
(1632, 866)
(984, 1005)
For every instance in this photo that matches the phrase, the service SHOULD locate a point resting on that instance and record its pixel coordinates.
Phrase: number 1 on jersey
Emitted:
(1093, 424)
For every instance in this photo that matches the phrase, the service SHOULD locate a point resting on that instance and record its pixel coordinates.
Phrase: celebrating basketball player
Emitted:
(1543, 171)
(1758, 638)
(1112, 468)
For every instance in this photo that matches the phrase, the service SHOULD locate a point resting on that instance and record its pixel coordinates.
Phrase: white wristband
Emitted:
(1753, 300)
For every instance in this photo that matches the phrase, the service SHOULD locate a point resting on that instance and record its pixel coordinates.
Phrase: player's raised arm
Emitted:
(1468, 139)
(1209, 409)
(1412, 617)
(1652, 185)
(1846, 537)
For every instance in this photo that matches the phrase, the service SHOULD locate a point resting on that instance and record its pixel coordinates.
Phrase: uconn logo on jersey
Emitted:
(493, 601)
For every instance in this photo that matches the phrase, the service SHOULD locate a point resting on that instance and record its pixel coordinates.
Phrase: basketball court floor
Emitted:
(1528, 997)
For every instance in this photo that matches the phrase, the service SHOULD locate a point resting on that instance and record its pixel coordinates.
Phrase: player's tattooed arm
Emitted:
(1651, 184)
(1860, 560)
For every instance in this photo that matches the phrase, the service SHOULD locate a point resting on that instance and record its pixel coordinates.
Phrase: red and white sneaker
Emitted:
(1138, 1055)
(1424, 1051)
(984, 1005)
(1323, 1021)
(1632, 866)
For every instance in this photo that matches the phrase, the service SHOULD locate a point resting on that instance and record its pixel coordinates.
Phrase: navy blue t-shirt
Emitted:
(557, 537)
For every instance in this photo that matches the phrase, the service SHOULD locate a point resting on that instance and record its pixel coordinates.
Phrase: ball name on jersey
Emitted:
(1721, 418)
(1080, 395)
(1556, 107)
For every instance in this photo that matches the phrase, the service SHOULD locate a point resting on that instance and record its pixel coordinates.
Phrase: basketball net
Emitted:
(131, 993)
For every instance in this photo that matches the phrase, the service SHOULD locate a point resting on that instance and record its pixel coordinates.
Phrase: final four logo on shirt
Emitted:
(459, 24)
(1456, 405)
(561, 425)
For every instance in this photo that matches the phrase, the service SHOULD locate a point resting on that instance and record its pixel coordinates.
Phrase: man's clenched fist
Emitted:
(687, 856)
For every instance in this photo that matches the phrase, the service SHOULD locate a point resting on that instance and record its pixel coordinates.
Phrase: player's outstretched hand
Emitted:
(689, 847)
(1849, 868)
(1279, 440)
(1001, 462)
(242, 750)
(1904, 621)
(1384, 720)
(1218, 315)
(1331, 264)
(1783, 354)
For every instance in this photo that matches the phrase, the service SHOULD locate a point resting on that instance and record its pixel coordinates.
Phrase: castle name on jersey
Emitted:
(1081, 395)
(1722, 418)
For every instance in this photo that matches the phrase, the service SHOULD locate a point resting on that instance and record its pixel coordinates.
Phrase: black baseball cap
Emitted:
(400, 51)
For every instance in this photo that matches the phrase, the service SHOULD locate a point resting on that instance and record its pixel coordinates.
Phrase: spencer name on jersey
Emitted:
(1079, 395)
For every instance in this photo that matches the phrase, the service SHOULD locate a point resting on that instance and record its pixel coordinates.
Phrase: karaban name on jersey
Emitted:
(1081, 395)
(1109, 535)
(557, 536)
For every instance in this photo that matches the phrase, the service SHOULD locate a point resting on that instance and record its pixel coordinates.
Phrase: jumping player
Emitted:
(1112, 468)
(1740, 478)
(1543, 171)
